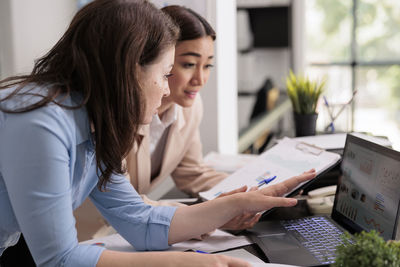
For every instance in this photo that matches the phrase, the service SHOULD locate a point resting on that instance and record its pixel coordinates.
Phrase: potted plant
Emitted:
(304, 95)
(367, 249)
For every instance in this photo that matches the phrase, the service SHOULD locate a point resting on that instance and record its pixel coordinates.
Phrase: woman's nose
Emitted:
(198, 77)
(167, 91)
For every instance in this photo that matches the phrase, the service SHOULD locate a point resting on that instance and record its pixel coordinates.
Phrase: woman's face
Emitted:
(193, 61)
(154, 81)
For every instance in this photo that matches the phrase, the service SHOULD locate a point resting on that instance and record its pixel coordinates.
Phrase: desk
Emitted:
(298, 211)
(20, 254)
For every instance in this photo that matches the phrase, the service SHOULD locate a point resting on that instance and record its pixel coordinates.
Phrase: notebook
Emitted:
(366, 198)
(286, 159)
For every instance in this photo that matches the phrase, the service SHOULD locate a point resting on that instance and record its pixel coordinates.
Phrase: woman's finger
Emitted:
(238, 190)
(310, 170)
(253, 188)
(253, 221)
(281, 188)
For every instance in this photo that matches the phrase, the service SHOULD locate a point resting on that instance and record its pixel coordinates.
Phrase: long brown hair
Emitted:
(191, 24)
(98, 56)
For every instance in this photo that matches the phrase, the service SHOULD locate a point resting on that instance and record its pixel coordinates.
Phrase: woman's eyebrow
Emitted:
(194, 54)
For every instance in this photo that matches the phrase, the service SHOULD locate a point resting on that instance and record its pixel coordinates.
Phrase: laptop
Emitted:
(366, 198)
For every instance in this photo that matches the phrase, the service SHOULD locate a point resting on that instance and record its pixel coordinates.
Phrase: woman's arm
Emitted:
(36, 168)
(195, 220)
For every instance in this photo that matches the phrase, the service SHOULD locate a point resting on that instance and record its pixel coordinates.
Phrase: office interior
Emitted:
(353, 43)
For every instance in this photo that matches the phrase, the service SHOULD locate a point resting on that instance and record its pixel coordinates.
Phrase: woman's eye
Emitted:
(209, 66)
(166, 76)
(188, 65)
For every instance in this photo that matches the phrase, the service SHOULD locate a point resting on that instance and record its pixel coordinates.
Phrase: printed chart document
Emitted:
(286, 159)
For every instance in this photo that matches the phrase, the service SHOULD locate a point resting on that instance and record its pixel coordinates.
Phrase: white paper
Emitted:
(250, 258)
(284, 160)
(217, 241)
(337, 141)
(325, 141)
(228, 163)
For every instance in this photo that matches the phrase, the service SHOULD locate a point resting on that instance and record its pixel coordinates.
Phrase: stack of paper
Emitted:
(286, 159)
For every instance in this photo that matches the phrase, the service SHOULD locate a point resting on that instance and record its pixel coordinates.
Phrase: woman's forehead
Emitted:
(201, 47)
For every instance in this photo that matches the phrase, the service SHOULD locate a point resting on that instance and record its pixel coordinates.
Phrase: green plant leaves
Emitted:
(304, 93)
(368, 249)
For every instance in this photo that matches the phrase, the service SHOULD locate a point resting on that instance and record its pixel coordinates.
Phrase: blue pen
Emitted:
(326, 101)
(330, 127)
(329, 108)
(200, 251)
(266, 181)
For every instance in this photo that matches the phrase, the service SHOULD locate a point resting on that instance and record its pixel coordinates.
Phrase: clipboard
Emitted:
(308, 148)
(286, 159)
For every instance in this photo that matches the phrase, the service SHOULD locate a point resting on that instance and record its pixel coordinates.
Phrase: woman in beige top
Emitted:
(171, 145)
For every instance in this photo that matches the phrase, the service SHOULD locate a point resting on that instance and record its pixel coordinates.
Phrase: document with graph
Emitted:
(283, 161)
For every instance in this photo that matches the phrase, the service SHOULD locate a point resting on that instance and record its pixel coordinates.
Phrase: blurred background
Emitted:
(355, 44)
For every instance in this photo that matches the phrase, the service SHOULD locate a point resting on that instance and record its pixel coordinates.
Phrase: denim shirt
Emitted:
(47, 169)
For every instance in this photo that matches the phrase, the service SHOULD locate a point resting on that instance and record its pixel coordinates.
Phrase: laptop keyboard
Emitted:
(318, 235)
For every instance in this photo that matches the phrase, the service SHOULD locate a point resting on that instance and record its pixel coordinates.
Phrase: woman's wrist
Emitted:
(238, 202)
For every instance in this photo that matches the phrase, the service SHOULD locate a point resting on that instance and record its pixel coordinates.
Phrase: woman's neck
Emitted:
(165, 105)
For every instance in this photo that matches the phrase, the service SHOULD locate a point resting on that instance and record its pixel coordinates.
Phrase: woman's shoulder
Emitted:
(60, 117)
(20, 98)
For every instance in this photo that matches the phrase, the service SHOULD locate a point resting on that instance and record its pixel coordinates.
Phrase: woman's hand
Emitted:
(271, 196)
(249, 218)
(222, 211)
(244, 220)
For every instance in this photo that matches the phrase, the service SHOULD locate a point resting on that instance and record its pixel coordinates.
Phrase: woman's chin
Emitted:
(186, 103)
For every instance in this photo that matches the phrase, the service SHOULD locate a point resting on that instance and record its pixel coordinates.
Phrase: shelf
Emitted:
(261, 3)
(260, 125)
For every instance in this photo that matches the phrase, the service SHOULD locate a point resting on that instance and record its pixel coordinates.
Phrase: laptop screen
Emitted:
(368, 196)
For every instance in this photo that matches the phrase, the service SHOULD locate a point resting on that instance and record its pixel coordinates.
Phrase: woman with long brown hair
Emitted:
(66, 127)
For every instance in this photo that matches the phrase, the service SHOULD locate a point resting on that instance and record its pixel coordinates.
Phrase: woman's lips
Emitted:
(191, 94)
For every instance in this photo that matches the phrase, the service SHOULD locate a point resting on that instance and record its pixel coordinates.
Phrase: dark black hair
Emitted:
(191, 24)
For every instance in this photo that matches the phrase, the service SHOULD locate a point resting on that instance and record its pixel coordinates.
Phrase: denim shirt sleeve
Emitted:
(36, 170)
(145, 227)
